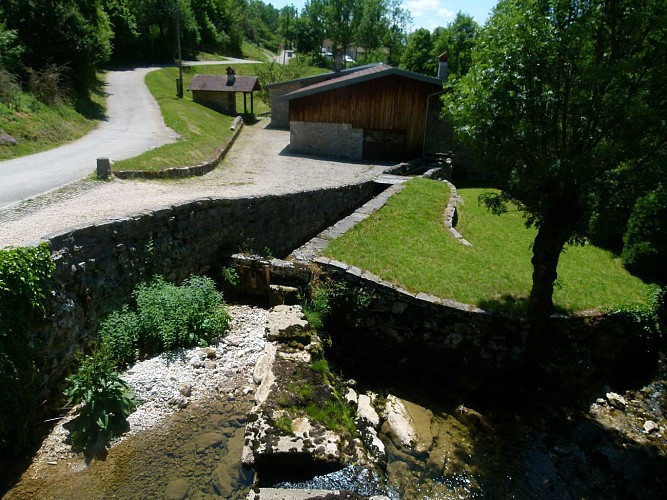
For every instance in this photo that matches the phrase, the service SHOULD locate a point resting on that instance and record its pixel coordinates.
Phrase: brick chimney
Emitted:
(231, 76)
(443, 61)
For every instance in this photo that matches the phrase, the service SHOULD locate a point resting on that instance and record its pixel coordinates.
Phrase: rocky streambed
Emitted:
(265, 397)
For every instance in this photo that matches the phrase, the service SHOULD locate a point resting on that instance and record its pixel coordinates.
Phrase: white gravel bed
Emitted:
(171, 381)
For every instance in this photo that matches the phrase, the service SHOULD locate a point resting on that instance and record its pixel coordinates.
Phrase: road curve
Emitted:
(133, 125)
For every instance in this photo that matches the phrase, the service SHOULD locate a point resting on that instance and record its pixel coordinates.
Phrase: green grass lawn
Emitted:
(406, 243)
(202, 131)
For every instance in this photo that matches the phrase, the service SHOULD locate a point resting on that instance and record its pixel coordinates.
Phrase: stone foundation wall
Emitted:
(98, 266)
(338, 140)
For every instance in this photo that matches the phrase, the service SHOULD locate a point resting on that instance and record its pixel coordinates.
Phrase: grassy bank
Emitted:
(29, 126)
(407, 244)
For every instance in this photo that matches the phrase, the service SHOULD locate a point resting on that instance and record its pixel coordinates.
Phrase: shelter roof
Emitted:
(309, 80)
(220, 83)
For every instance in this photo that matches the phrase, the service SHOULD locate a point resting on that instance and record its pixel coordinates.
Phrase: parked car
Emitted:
(348, 59)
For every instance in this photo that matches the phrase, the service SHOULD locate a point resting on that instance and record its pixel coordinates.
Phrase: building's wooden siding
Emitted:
(392, 103)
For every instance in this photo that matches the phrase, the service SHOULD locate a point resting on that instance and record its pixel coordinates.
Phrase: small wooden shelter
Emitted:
(376, 113)
(219, 91)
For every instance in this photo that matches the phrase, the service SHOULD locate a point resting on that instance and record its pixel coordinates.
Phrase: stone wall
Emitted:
(338, 140)
(98, 266)
(389, 334)
(224, 102)
(180, 172)
(279, 108)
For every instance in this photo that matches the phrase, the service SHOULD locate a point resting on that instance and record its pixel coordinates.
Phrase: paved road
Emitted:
(133, 125)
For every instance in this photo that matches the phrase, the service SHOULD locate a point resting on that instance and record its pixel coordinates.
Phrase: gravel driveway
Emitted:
(258, 164)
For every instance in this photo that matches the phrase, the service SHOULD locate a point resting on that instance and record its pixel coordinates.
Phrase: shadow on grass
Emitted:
(511, 304)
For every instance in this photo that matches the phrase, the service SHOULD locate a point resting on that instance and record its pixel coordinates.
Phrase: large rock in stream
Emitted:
(286, 437)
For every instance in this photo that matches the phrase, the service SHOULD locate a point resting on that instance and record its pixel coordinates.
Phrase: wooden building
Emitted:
(219, 91)
(280, 107)
(376, 113)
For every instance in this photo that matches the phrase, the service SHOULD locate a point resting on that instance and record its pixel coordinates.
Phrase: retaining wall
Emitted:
(389, 334)
(98, 266)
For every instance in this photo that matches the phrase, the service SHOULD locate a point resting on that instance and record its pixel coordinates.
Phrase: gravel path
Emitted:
(258, 164)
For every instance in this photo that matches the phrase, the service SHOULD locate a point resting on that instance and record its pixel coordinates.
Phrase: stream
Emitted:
(465, 450)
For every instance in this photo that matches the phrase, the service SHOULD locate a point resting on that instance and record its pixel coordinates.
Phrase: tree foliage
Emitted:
(24, 273)
(645, 241)
(419, 54)
(561, 94)
(70, 33)
(457, 41)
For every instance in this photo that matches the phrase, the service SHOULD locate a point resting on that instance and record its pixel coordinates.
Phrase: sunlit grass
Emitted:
(202, 131)
(38, 127)
(406, 243)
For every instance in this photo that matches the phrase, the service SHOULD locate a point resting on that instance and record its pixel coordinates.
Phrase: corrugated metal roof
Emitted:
(218, 83)
(369, 73)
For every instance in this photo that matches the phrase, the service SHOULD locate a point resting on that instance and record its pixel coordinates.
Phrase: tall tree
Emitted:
(75, 34)
(419, 53)
(457, 40)
(310, 27)
(287, 25)
(373, 24)
(560, 94)
(396, 35)
(340, 21)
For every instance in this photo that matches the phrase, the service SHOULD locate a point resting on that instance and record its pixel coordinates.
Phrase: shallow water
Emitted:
(196, 454)
(530, 452)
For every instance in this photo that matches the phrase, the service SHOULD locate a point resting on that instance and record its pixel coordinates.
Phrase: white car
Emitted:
(348, 59)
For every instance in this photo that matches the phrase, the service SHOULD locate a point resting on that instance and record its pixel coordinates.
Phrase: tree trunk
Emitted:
(547, 248)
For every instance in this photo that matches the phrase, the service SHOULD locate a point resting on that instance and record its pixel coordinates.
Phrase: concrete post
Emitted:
(103, 168)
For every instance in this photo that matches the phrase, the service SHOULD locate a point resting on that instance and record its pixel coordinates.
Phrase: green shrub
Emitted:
(317, 308)
(645, 241)
(120, 333)
(167, 316)
(647, 323)
(23, 276)
(105, 400)
(230, 277)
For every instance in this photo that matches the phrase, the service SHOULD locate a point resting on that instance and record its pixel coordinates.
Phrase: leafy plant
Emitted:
(24, 273)
(230, 277)
(167, 316)
(120, 333)
(105, 401)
